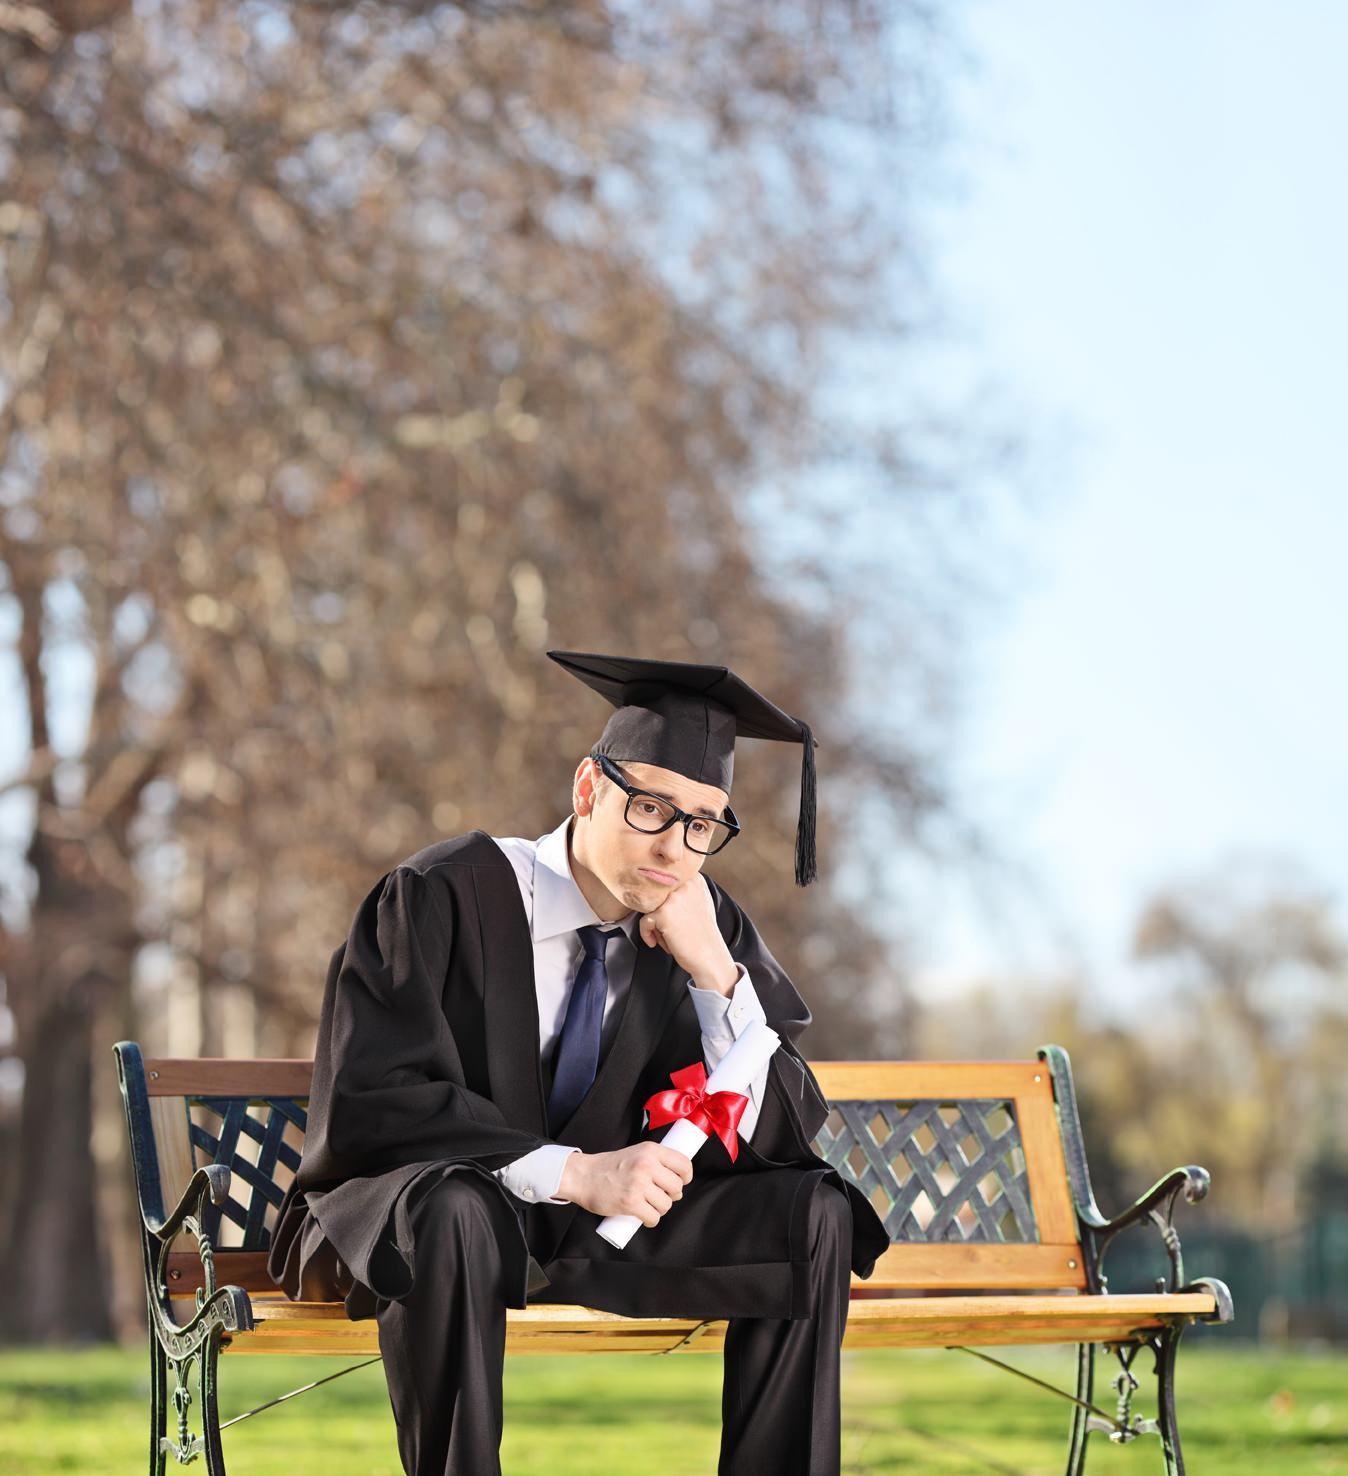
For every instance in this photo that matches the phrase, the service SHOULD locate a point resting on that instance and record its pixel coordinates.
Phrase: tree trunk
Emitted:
(51, 1265)
(71, 968)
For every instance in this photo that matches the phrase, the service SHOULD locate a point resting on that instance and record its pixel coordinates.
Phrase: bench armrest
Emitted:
(1191, 1180)
(1156, 1205)
(212, 1179)
(225, 1307)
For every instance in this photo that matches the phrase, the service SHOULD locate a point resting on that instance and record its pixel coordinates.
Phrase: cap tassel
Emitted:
(806, 870)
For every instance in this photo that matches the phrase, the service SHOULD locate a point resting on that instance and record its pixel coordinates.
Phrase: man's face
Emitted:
(638, 868)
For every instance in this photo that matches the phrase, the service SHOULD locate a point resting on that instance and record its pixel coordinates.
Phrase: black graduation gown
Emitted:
(427, 1063)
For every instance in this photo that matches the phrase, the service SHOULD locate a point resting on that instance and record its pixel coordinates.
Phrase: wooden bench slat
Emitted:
(863, 1081)
(222, 1076)
(168, 1123)
(322, 1327)
(966, 1265)
(1066, 1308)
(247, 1269)
(972, 1265)
(1045, 1166)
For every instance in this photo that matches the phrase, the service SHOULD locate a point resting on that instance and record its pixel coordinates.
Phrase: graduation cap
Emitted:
(685, 716)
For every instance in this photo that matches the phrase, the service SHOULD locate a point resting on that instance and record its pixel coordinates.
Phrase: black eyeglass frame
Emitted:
(611, 771)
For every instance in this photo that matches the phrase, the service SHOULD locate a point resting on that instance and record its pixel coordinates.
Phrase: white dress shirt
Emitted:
(556, 908)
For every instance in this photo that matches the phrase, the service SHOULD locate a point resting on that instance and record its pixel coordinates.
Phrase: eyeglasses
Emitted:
(650, 813)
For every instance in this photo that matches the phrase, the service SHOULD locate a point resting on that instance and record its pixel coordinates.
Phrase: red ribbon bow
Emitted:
(715, 1112)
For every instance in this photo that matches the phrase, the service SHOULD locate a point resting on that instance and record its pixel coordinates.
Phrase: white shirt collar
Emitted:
(559, 904)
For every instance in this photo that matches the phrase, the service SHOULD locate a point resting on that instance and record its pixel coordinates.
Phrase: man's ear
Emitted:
(583, 786)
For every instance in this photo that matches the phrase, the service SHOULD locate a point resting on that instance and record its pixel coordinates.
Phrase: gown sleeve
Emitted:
(389, 1086)
(793, 1108)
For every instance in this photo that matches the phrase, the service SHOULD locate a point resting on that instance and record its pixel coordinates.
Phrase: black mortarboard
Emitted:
(685, 716)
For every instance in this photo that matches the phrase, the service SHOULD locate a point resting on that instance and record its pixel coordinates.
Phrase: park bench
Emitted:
(978, 1169)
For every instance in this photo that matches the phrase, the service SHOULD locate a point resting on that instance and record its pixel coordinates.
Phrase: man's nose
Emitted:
(669, 844)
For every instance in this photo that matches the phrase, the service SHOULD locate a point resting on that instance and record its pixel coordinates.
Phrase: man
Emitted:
(491, 1029)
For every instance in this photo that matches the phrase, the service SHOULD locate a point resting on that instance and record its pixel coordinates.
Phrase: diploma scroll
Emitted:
(736, 1071)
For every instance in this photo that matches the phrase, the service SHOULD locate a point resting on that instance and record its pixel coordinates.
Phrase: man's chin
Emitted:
(644, 895)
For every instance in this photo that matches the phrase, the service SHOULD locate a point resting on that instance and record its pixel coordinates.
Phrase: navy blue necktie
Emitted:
(578, 1046)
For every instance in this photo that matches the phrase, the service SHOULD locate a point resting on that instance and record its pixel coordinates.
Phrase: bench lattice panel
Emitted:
(935, 1171)
(264, 1122)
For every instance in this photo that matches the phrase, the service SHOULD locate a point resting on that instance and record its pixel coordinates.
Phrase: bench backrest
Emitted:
(963, 1160)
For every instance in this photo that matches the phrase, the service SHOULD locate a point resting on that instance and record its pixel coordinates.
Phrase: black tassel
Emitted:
(806, 870)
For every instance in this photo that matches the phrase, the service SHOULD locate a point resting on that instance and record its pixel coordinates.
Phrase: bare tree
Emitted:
(350, 354)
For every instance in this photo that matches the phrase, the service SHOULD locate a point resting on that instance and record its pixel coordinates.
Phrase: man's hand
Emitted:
(643, 1180)
(684, 925)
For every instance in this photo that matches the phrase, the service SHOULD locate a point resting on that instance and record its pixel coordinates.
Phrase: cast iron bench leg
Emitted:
(182, 1444)
(1076, 1450)
(1167, 1345)
(208, 1361)
(158, 1401)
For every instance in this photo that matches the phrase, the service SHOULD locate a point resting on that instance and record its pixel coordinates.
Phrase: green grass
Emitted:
(1243, 1412)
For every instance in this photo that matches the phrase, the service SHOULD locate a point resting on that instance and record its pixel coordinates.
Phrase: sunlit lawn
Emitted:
(1243, 1413)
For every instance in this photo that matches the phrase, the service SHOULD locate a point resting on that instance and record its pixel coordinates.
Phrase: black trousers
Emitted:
(444, 1347)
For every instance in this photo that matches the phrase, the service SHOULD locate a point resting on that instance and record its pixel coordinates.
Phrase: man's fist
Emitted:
(643, 1180)
(684, 925)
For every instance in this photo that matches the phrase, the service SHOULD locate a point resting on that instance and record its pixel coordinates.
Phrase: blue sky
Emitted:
(1147, 245)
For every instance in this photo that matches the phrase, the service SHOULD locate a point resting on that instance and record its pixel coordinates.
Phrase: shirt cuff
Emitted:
(537, 1176)
(724, 1018)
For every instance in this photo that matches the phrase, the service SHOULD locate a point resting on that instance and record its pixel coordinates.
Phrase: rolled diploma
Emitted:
(736, 1070)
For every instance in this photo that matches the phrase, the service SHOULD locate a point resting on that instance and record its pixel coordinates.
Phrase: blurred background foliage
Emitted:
(353, 354)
